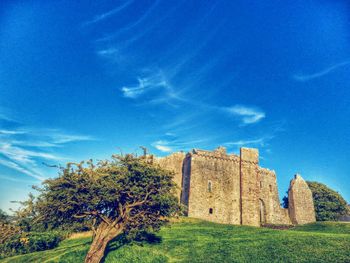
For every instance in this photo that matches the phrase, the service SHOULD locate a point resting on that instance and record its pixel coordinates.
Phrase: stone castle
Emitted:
(234, 189)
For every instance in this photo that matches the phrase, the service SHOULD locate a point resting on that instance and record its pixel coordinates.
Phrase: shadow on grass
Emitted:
(140, 239)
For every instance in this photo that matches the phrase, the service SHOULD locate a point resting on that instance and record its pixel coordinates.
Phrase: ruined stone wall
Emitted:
(233, 189)
(300, 202)
(174, 162)
(250, 190)
(214, 187)
(271, 211)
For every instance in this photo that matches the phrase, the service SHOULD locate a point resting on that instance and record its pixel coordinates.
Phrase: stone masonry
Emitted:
(301, 205)
(233, 189)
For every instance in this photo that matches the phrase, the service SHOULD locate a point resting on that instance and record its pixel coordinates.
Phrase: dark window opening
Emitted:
(210, 210)
(270, 188)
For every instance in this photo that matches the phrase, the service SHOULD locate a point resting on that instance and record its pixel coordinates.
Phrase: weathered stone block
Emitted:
(300, 201)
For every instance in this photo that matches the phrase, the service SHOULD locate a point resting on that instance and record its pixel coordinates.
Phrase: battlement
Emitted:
(249, 155)
(219, 153)
(267, 172)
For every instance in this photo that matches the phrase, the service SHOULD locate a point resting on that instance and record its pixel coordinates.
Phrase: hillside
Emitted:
(191, 240)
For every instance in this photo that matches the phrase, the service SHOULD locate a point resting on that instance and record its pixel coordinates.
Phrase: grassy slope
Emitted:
(198, 241)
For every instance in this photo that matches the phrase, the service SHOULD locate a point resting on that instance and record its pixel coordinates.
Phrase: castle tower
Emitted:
(249, 185)
(174, 162)
(300, 202)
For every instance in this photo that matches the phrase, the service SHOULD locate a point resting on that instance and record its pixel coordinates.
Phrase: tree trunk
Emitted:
(104, 235)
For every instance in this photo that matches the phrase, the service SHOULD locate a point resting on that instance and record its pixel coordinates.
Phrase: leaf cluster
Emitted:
(329, 204)
(30, 242)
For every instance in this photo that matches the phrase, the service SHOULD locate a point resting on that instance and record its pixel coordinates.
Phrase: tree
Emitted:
(122, 196)
(25, 214)
(7, 228)
(285, 201)
(4, 217)
(329, 205)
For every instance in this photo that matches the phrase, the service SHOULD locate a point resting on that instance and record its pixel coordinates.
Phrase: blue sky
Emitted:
(88, 79)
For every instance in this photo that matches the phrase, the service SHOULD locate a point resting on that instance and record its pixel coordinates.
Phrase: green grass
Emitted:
(198, 241)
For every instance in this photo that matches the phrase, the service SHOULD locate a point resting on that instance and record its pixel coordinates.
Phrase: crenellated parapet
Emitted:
(218, 154)
(267, 172)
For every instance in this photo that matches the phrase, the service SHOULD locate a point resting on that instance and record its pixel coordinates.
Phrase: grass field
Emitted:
(193, 240)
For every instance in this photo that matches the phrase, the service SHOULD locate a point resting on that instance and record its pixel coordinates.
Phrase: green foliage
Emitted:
(285, 201)
(4, 217)
(329, 205)
(129, 189)
(25, 214)
(197, 241)
(7, 227)
(30, 242)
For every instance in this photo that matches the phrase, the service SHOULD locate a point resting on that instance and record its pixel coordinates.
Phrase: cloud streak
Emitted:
(107, 52)
(144, 85)
(21, 169)
(240, 143)
(155, 86)
(22, 149)
(108, 14)
(162, 146)
(171, 142)
(307, 77)
(159, 90)
(132, 25)
(249, 115)
(12, 179)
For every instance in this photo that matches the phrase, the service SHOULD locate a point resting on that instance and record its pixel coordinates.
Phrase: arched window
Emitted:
(209, 186)
(210, 210)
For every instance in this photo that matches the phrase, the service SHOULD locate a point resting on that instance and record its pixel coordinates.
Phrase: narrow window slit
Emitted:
(209, 186)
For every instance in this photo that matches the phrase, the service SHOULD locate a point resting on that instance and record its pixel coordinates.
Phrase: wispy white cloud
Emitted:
(12, 132)
(131, 25)
(21, 169)
(135, 91)
(307, 77)
(6, 115)
(248, 114)
(259, 141)
(23, 148)
(63, 138)
(163, 148)
(35, 143)
(146, 30)
(107, 52)
(47, 137)
(173, 143)
(14, 179)
(109, 13)
(155, 81)
(25, 156)
(164, 93)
